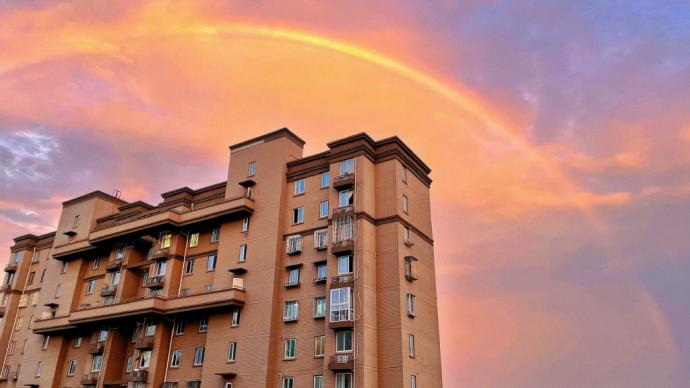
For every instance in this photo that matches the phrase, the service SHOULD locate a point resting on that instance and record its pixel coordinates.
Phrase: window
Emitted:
(411, 345)
(288, 382)
(243, 252)
(245, 224)
(194, 384)
(347, 166)
(341, 304)
(17, 257)
(179, 326)
(46, 341)
(203, 324)
(325, 180)
(298, 215)
(34, 298)
(23, 300)
(343, 380)
(75, 223)
(43, 274)
(290, 348)
(252, 169)
(345, 198)
(193, 239)
(293, 244)
(90, 286)
(130, 364)
(232, 351)
(96, 263)
(319, 345)
(71, 367)
(410, 268)
(5, 372)
(321, 239)
(102, 335)
(10, 278)
(235, 321)
(160, 268)
(323, 209)
(31, 278)
(166, 240)
(96, 363)
(405, 206)
(227, 385)
(198, 356)
(413, 381)
(19, 323)
(411, 308)
(77, 342)
(10, 347)
(293, 277)
(150, 330)
(344, 265)
(189, 266)
(343, 341)
(120, 253)
(321, 271)
(403, 174)
(215, 235)
(299, 186)
(115, 278)
(144, 359)
(318, 381)
(39, 366)
(176, 358)
(291, 311)
(320, 307)
(65, 264)
(406, 236)
(211, 263)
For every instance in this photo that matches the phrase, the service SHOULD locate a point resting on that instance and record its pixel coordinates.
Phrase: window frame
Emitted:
(176, 356)
(341, 340)
(325, 180)
(323, 209)
(215, 235)
(203, 324)
(193, 240)
(251, 169)
(287, 355)
(298, 215)
(319, 346)
(232, 351)
(209, 267)
(243, 253)
(300, 186)
(71, 367)
(196, 356)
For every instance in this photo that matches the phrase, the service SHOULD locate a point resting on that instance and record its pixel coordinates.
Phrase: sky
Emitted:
(558, 134)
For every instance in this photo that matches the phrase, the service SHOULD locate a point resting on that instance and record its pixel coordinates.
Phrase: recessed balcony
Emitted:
(139, 376)
(90, 378)
(342, 281)
(341, 362)
(11, 267)
(109, 290)
(344, 246)
(113, 265)
(96, 347)
(155, 282)
(344, 181)
(144, 343)
(160, 254)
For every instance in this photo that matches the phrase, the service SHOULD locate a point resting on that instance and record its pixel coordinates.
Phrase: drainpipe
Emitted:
(174, 321)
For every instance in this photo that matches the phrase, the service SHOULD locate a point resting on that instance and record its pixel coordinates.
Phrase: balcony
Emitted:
(343, 246)
(341, 362)
(344, 211)
(96, 347)
(156, 219)
(342, 319)
(109, 290)
(139, 376)
(11, 267)
(144, 343)
(344, 181)
(90, 378)
(342, 281)
(160, 254)
(154, 282)
(113, 265)
(128, 309)
(320, 280)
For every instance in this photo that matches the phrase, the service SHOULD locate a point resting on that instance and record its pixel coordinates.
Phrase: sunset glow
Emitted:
(558, 138)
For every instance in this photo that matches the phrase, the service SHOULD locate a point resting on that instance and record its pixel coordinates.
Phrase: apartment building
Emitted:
(296, 272)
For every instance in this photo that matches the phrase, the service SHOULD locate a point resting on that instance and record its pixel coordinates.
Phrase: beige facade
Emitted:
(296, 272)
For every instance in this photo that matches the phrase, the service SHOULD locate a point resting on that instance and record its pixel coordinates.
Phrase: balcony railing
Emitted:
(343, 246)
(344, 211)
(144, 343)
(113, 265)
(155, 281)
(342, 280)
(344, 181)
(109, 290)
(11, 266)
(90, 378)
(341, 362)
(160, 254)
(96, 347)
(139, 375)
(341, 318)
